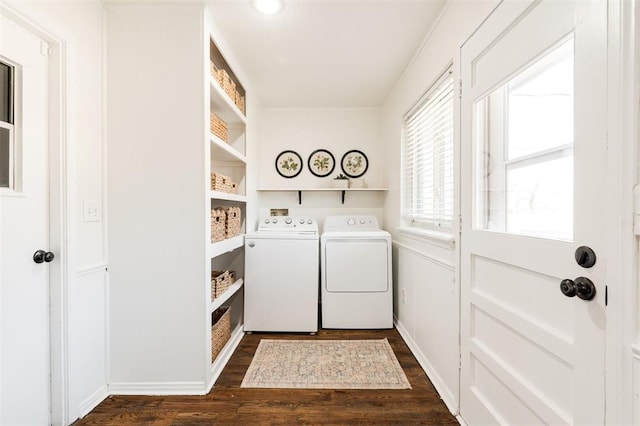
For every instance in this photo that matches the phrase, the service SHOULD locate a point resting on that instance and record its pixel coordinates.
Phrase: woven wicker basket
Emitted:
(218, 225)
(233, 221)
(228, 85)
(221, 183)
(233, 188)
(239, 101)
(213, 69)
(218, 127)
(220, 331)
(220, 282)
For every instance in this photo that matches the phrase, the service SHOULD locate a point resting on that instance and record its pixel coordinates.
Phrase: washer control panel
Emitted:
(288, 224)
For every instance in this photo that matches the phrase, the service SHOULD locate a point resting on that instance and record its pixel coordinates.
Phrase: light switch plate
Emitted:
(91, 211)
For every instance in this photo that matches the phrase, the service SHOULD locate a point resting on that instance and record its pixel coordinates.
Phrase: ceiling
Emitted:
(325, 53)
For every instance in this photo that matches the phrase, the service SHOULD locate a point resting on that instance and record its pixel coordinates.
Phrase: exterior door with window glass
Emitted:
(533, 117)
(24, 228)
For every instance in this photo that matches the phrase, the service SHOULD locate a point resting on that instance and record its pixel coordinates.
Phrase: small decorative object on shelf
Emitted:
(354, 163)
(220, 330)
(288, 164)
(357, 183)
(218, 127)
(340, 181)
(218, 225)
(321, 163)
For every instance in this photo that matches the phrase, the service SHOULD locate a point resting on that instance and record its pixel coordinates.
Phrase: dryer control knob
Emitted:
(301, 221)
(275, 221)
(288, 220)
(310, 221)
(267, 221)
(351, 221)
(362, 221)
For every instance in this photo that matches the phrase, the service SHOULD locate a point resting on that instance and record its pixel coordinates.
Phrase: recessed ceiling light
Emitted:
(268, 7)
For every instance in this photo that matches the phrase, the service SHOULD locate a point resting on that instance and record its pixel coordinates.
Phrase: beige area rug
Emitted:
(325, 364)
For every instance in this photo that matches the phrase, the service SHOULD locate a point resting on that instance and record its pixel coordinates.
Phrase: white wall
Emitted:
(155, 80)
(304, 131)
(79, 27)
(426, 268)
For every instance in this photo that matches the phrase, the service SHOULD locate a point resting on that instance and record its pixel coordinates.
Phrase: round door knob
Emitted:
(581, 287)
(568, 288)
(585, 288)
(41, 256)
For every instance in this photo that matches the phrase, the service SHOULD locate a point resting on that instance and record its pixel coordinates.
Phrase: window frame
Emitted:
(441, 217)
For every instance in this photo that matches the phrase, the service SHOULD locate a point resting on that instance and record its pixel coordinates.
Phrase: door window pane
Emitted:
(524, 150)
(6, 125)
(538, 203)
(6, 93)
(5, 158)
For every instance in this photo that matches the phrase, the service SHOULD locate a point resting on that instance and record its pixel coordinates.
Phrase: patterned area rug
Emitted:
(325, 364)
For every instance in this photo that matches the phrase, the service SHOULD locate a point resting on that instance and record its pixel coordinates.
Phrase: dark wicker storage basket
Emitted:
(220, 330)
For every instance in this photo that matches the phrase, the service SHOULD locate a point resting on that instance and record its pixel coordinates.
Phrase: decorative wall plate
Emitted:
(354, 163)
(321, 163)
(288, 164)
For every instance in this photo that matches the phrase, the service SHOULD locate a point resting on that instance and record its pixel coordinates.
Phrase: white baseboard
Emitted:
(93, 401)
(636, 384)
(445, 394)
(158, 388)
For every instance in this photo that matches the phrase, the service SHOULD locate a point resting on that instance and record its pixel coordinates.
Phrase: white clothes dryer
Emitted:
(355, 274)
(282, 276)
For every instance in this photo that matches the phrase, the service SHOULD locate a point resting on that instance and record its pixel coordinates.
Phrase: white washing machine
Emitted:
(356, 275)
(282, 276)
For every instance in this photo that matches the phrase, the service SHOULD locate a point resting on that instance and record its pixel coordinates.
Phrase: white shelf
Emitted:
(217, 195)
(228, 294)
(319, 189)
(343, 191)
(225, 246)
(222, 151)
(223, 106)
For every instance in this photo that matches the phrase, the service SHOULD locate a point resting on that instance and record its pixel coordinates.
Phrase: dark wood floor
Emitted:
(227, 403)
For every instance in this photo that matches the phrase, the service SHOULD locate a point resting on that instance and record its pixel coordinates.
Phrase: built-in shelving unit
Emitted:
(343, 191)
(162, 256)
(228, 158)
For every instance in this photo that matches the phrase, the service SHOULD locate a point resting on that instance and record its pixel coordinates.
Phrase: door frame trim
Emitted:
(58, 212)
(622, 264)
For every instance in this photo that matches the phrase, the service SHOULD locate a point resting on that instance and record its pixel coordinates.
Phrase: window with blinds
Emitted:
(428, 158)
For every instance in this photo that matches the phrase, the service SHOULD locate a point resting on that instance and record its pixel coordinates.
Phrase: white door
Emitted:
(24, 228)
(533, 114)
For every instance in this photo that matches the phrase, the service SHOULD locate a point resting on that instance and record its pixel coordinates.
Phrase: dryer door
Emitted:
(356, 265)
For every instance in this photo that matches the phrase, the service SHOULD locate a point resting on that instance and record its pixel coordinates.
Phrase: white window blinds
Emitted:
(428, 158)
